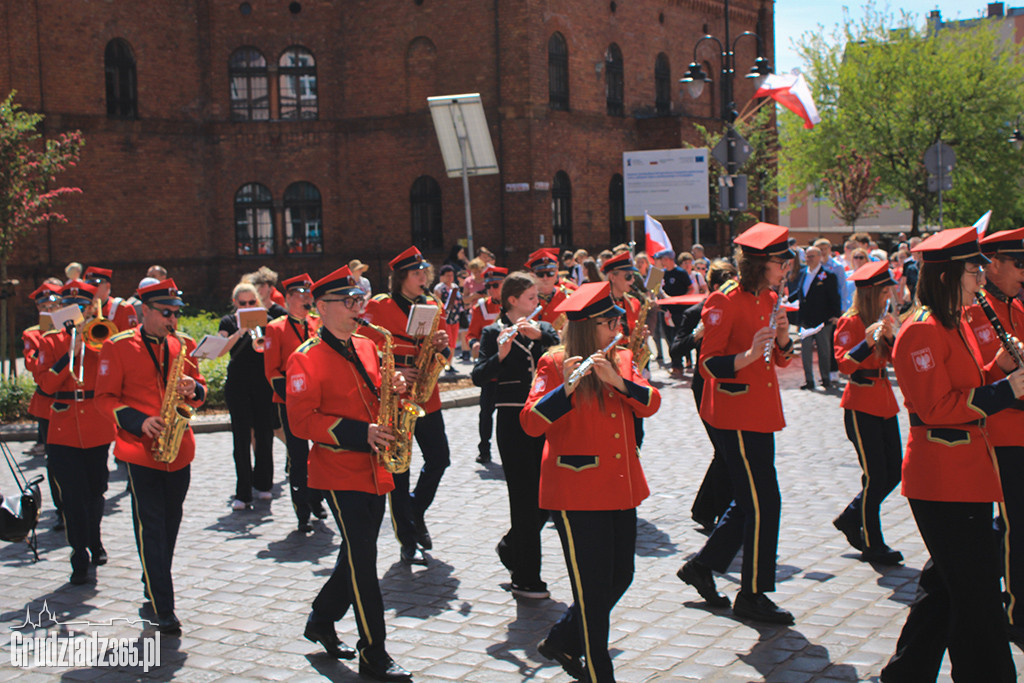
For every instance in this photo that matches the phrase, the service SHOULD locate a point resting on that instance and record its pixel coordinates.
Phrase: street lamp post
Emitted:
(695, 79)
(1016, 137)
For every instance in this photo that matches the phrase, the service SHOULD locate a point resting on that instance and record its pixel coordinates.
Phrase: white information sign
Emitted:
(666, 183)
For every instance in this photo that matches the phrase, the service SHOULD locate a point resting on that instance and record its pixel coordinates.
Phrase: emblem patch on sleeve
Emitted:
(714, 316)
(843, 338)
(538, 386)
(986, 334)
(104, 367)
(923, 361)
(298, 383)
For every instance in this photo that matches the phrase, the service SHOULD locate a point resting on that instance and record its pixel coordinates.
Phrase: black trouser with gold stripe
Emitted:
(752, 520)
(958, 607)
(354, 580)
(599, 548)
(81, 475)
(433, 442)
(157, 499)
(877, 440)
(1011, 474)
(298, 466)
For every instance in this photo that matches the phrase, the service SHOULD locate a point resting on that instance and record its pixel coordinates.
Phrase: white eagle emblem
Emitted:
(923, 361)
(985, 334)
(714, 316)
(538, 386)
(104, 367)
(843, 338)
(298, 383)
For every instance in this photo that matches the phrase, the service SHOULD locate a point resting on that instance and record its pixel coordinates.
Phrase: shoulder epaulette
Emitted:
(53, 331)
(381, 297)
(183, 336)
(31, 329)
(850, 313)
(280, 317)
(307, 345)
(729, 287)
(122, 335)
(922, 314)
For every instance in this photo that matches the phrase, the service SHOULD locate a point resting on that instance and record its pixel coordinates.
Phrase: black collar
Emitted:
(996, 292)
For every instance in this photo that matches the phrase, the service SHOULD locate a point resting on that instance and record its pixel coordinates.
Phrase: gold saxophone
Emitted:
(637, 342)
(175, 413)
(429, 364)
(396, 413)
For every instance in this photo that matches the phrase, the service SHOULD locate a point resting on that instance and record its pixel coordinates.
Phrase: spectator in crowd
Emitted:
(698, 257)
(73, 271)
(698, 285)
(157, 272)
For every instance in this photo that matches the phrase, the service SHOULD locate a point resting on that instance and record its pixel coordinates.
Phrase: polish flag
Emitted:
(793, 93)
(655, 238)
(981, 225)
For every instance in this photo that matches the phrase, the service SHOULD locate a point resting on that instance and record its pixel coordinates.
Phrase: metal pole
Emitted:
(632, 237)
(941, 177)
(465, 198)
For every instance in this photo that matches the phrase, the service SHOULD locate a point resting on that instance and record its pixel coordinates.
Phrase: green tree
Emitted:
(27, 167)
(851, 186)
(891, 89)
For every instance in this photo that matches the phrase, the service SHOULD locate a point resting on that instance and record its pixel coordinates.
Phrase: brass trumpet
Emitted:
(98, 329)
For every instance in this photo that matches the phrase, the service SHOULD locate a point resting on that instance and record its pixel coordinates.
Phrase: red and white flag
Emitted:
(793, 93)
(655, 238)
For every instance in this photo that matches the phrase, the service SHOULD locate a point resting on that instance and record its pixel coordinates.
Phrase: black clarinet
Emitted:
(1009, 343)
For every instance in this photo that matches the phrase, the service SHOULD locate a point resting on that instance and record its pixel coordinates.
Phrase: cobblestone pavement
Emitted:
(245, 580)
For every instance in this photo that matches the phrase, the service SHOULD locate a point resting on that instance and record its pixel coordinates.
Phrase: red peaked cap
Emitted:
(299, 283)
(410, 259)
(766, 239)
(94, 275)
(872, 274)
(77, 292)
(45, 292)
(163, 292)
(1005, 242)
(340, 282)
(542, 258)
(590, 300)
(954, 244)
(622, 261)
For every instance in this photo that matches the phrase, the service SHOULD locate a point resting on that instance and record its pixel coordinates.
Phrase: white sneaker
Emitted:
(239, 504)
(264, 495)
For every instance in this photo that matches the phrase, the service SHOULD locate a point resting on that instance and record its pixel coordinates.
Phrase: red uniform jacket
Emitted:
(281, 337)
(869, 390)
(590, 459)
(485, 312)
(632, 307)
(382, 310)
(1007, 427)
(75, 419)
(330, 403)
(123, 314)
(39, 406)
(129, 388)
(547, 314)
(948, 395)
(747, 400)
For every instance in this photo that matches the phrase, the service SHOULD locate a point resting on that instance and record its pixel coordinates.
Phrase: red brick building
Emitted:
(224, 135)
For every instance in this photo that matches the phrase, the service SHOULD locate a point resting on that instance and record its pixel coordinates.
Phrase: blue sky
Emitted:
(795, 17)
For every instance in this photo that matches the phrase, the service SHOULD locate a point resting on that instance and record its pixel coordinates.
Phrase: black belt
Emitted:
(861, 375)
(915, 421)
(76, 395)
(43, 393)
(405, 361)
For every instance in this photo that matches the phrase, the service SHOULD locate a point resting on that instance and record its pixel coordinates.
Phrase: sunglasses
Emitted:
(247, 303)
(546, 273)
(494, 285)
(348, 302)
(1017, 263)
(860, 258)
(168, 312)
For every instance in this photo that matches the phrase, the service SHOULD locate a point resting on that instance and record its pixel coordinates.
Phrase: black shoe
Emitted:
(79, 577)
(534, 591)
(318, 510)
(483, 458)
(99, 556)
(851, 530)
(759, 607)
(324, 634)
(504, 554)
(882, 554)
(59, 526)
(305, 527)
(826, 385)
(571, 665)
(413, 555)
(807, 387)
(1016, 634)
(700, 578)
(422, 535)
(168, 624)
(384, 670)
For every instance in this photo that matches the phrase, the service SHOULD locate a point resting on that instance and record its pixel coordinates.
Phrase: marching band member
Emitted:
(620, 272)
(47, 299)
(449, 293)
(333, 389)
(509, 364)
(485, 312)
(949, 473)
(863, 347)
(1004, 276)
(78, 439)
(391, 311)
(114, 307)
(551, 291)
(590, 474)
(280, 339)
(741, 403)
(131, 388)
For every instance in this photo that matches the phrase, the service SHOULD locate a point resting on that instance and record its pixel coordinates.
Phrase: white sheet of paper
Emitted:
(71, 314)
(421, 318)
(210, 346)
(810, 331)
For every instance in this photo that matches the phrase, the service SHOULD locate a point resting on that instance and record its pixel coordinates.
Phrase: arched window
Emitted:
(119, 65)
(297, 83)
(616, 211)
(662, 85)
(561, 210)
(254, 220)
(425, 207)
(247, 72)
(303, 219)
(613, 81)
(558, 73)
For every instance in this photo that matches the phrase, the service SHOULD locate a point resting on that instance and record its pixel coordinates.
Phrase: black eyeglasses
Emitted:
(612, 323)
(349, 302)
(860, 258)
(247, 303)
(168, 312)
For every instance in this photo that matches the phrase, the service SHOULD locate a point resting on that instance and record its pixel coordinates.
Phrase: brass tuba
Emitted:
(99, 329)
(429, 364)
(175, 413)
(396, 413)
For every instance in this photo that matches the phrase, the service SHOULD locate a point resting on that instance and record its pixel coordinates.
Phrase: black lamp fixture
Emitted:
(1017, 137)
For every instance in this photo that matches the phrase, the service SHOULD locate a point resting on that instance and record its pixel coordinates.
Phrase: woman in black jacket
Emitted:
(512, 364)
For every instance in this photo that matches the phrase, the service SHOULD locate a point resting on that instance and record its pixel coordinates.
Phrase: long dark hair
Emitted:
(868, 308)
(752, 270)
(938, 288)
(514, 285)
(397, 279)
(581, 340)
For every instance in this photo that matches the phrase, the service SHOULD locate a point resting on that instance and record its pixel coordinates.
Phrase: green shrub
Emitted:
(216, 373)
(15, 395)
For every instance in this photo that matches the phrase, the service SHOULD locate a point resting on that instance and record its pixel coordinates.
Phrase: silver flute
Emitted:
(576, 375)
(885, 312)
(772, 324)
(513, 329)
